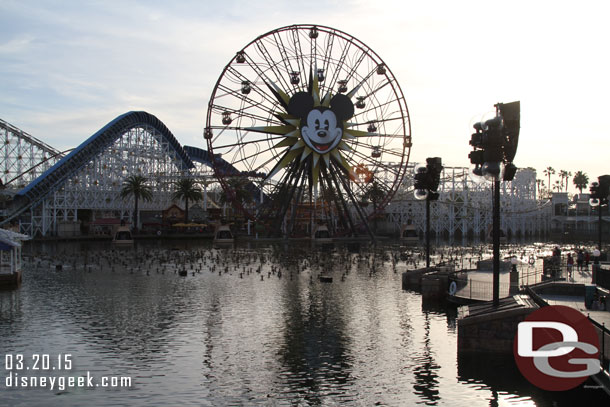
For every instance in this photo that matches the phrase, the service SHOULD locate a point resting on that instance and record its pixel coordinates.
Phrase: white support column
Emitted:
(205, 197)
(55, 213)
(65, 206)
(44, 217)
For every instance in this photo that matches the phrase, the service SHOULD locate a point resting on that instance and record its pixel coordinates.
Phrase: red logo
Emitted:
(556, 348)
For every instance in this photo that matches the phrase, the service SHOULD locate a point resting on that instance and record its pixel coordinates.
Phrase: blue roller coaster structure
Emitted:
(90, 176)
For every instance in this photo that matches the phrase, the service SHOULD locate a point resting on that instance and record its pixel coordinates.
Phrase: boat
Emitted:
(322, 235)
(408, 234)
(223, 234)
(122, 236)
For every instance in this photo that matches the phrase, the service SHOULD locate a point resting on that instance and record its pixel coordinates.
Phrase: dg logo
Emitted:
(556, 348)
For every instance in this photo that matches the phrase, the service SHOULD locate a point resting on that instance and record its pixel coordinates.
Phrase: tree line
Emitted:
(580, 180)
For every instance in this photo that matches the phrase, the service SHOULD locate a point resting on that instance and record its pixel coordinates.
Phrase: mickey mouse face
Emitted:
(320, 132)
(321, 127)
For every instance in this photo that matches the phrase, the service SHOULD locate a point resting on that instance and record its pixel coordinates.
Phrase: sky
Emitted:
(69, 67)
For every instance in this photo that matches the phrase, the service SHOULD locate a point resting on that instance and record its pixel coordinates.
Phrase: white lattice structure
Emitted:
(464, 207)
(90, 178)
(92, 175)
(23, 157)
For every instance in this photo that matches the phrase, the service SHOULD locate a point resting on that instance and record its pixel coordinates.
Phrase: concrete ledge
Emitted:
(412, 279)
(10, 281)
(485, 328)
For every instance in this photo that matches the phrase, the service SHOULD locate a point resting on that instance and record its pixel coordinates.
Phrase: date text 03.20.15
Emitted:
(38, 361)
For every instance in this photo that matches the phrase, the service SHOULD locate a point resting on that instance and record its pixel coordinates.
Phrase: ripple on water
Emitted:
(224, 337)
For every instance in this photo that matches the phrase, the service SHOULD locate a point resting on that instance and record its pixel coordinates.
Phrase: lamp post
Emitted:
(494, 147)
(427, 179)
(599, 198)
(595, 267)
(514, 276)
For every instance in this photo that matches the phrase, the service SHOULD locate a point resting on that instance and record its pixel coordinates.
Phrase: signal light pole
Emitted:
(494, 148)
(496, 242)
(427, 180)
(599, 198)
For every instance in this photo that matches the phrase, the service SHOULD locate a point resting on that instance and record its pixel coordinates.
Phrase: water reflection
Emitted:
(250, 324)
(314, 356)
(499, 374)
(425, 372)
(126, 316)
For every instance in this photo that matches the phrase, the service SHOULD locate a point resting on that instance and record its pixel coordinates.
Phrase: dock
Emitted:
(485, 328)
(10, 258)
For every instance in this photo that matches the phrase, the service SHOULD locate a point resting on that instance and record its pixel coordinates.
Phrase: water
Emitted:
(223, 336)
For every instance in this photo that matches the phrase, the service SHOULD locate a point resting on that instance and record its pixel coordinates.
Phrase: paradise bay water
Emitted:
(233, 332)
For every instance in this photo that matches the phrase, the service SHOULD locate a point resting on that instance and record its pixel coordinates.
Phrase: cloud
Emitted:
(16, 45)
(71, 67)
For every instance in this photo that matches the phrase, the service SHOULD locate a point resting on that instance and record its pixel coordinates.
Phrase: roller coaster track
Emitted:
(204, 157)
(70, 164)
(42, 163)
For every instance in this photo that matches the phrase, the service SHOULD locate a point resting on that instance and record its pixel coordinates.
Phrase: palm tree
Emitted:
(187, 189)
(136, 185)
(240, 191)
(565, 175)
(549, 171)
(374, 193)
(580, 180)
(562, 174)
(557, 186)
(540, 184)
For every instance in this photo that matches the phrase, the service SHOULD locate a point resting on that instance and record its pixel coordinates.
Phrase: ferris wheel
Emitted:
(308, 116)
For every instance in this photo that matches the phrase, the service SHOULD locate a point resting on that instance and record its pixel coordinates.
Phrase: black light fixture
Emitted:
(509, 172)
(594, 194)
(421, 182)
(487, 153)
(427, 179)
(495, 143)
(599, 191)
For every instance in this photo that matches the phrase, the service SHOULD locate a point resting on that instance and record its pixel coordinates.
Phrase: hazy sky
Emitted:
(69, 67)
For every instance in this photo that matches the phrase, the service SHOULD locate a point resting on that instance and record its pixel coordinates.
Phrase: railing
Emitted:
(534, 275)
(468, 288)
(605, 338)
(602, 277)
(472, 289)
(530, 275)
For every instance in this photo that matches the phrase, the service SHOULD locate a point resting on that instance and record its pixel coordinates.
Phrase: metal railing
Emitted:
(472, 289)
(468, 288)
(604, 342)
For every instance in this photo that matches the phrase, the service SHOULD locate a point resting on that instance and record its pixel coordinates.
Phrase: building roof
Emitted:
(9, 239)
